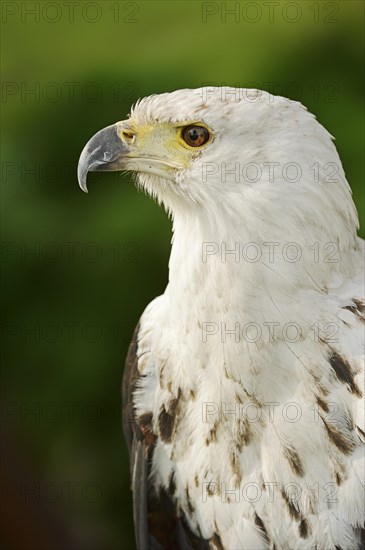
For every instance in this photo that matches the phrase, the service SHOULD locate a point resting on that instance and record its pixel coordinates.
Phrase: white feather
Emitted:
(179, 359)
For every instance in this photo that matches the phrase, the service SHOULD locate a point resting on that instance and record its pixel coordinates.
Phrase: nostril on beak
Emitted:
(128, 135)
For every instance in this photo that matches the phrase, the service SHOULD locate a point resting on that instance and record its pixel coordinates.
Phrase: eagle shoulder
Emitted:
(158, 522)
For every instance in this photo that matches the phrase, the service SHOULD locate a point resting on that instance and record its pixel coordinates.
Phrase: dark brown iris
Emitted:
(195, 136)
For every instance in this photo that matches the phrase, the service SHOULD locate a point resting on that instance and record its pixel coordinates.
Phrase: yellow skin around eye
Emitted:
(162, 140)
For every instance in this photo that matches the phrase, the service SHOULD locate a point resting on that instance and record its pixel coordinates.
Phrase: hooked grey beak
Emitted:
(104, 152)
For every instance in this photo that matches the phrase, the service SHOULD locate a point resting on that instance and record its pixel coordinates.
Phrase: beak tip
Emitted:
(83, 169)
(83, 185)
(81, 176)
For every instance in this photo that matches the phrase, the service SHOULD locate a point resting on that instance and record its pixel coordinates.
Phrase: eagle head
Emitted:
(233, 156)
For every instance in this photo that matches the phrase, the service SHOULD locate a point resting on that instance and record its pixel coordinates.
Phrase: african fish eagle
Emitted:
(243, 387)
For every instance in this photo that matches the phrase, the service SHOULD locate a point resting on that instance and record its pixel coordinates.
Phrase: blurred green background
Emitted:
(79, 269)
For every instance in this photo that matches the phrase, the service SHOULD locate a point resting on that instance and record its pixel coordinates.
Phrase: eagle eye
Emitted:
(195, 136)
